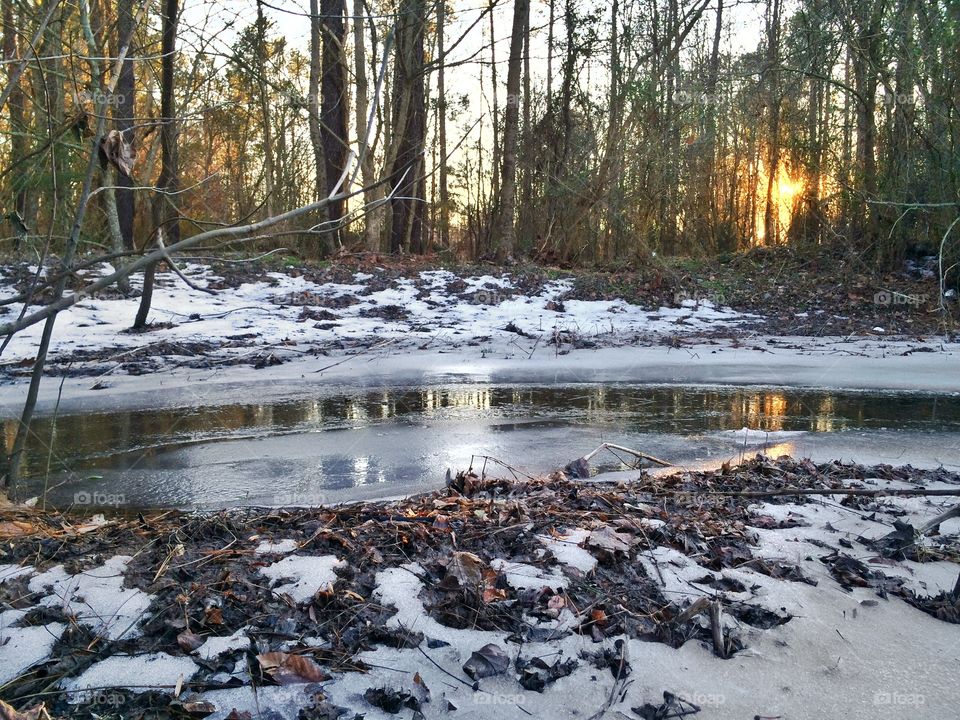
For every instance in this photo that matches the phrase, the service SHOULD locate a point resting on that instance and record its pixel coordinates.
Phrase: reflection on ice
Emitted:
(396, 441)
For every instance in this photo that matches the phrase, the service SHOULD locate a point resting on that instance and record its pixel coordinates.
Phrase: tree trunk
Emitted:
(442, 126)
(166, 210)
(365, 145)
(771, 213)
(265, 120)
(123, 114)
(15, 103)
(504, 233)
(313, 123)
(334, 104)
(409, 129)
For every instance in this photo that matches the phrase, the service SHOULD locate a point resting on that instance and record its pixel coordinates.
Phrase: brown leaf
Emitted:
(238, 715)
(288, 669)
(189, 641)
(15, 528)
(467, 568)
(118, 152)
(488, 660)
(214, 616)
(37, 712)
(610, 541)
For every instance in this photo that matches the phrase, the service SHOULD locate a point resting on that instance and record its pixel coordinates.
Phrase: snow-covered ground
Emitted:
(435, 307)
(436, 326)
(843, 653)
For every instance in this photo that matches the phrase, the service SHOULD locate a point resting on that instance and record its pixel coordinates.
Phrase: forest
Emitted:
(569, 131)
(479, 359)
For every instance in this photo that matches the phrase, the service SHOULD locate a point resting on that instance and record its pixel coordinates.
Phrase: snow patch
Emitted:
(307, 575)
(96, 598)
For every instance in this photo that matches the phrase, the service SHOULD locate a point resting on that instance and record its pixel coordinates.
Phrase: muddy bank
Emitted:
(500, 597)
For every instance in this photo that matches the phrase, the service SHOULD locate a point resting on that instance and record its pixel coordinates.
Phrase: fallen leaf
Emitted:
(287, 669)
(391, 700)
(488, 660)
(15, 528)
(467, 568)
(189, 641)
(37, 712)
(609, 540)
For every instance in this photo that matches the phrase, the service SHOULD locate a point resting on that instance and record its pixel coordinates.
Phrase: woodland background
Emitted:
(569, 131)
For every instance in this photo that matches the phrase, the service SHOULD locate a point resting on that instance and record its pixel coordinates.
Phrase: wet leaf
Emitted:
(391, 700)
(189, 641)
(467, 568)
(15, 528)
(487, 661)
(287, 669)
(609, 540)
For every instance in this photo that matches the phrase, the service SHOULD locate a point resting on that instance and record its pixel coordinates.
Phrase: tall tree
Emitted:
(334, 103)
(263, 57)
(442, 125)
(123, 114)
(373, 194)
(409, 128)
(18, 129)
(313, 118)
(504, 231)
(166, 201)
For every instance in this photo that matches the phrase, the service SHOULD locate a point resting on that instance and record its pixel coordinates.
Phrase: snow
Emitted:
(568, 549)
(841, 654)
(22, 647)
(217, 646)
(95, 597)
(281, 547)
(158, 670)
(283, 701)
(11, 572)
(528, 577)
(307, 574)
(271, 308)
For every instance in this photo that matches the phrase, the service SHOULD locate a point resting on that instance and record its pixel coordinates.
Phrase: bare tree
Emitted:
(504, 230)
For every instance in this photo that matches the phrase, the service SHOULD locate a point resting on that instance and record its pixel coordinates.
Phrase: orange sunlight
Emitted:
(786, 190)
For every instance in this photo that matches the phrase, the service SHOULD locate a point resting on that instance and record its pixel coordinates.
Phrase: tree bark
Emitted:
(15, 102)
(334, 104)
(409, 129)
(373, 221)
(504, 233)
(313, 123)
(123, 114)
(166, 204)
(442, 126)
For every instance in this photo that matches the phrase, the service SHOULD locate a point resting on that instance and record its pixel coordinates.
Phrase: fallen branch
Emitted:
(934, 523)
(580, 468)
